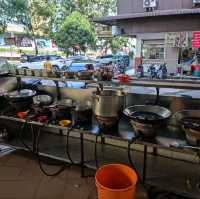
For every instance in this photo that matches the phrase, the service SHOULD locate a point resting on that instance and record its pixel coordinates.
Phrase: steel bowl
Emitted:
(42, 100)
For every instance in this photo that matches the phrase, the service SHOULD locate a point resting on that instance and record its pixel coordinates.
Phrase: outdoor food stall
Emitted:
(75, 126)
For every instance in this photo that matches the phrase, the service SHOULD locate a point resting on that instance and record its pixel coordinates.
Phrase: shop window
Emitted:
(153, 51)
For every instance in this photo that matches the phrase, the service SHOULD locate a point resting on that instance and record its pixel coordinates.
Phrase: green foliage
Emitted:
(49, 18)
(35, 15)
(75, 30)
(94, 8)
(7, 13)
(115, 43)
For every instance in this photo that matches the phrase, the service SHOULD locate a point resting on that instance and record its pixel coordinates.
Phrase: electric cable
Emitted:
(131, 161)
(64, 165)
(95, 151)
(21, 131)
(67, 145)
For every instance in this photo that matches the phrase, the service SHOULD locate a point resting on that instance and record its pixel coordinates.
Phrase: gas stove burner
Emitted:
(108, 125)
(145, 131)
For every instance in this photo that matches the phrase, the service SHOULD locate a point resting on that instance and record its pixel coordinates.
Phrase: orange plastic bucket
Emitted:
(116, 181)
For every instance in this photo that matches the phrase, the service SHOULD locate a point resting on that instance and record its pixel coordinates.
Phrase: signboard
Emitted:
(138, 62)
(176, 39)
(196, 40)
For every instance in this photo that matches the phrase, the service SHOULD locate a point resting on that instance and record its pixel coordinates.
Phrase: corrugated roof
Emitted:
(157, 13)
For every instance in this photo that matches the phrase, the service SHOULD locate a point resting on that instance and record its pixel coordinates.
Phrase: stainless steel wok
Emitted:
(147, 119)
(190, 122)
(147, 113)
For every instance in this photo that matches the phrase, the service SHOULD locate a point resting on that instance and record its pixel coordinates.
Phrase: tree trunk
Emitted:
(34, 41)
(35, 44)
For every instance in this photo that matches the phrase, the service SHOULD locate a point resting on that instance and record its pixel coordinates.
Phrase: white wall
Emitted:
(171, 54)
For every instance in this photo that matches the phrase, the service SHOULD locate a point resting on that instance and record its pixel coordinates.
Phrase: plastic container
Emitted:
(64, 123)
(116, 181)
(196, 70)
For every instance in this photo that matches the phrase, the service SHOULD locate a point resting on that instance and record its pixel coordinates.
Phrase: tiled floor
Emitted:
(21, 178)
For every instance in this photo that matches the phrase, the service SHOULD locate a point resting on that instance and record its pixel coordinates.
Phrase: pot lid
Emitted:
(22, 93)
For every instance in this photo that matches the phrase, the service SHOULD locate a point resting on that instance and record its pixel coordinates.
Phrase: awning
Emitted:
(113, 20)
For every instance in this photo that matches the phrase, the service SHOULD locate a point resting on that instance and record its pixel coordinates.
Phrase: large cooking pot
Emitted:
(190, 122)
(108, 103)
(146, 119)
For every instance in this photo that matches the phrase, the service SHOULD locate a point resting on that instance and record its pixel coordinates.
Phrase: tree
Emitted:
(7, 14)
(114, 43)
(35, 15)
(89, 8)
(94, 8)
(75, 33)
(62, 8)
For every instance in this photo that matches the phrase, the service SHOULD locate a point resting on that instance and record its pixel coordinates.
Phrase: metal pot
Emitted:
(108, 103)
(42, 100)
